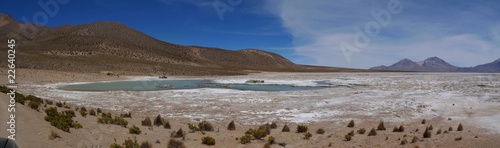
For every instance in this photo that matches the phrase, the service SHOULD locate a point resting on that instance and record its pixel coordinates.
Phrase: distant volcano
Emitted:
(435, 64)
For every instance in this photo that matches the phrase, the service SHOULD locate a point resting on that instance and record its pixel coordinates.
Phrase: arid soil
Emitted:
(395, 98)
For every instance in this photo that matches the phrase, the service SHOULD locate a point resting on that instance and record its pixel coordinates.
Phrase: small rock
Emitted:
(449, 118)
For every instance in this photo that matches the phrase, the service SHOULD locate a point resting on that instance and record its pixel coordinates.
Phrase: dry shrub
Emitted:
(274, 125)
(362, 131)
(430, 127)
(415, 139)
(403, 142)
(372, 132)
(166, 125)
(208, 140)
(320, 131)
(158, 120)
(285, 128)
(427, 134)
(53, 135)
(351, 124)
(307, 135)
(460, 128)
(231, 126)
(348, 137)
(173, 143)
(146, 122)
(438, 132)
(381, 126)
(423, 121)
(146, 144)
(301, 128)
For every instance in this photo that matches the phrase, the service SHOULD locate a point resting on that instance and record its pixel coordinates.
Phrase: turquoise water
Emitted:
(180, 84)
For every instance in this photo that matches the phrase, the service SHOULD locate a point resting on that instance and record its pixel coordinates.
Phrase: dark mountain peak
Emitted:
(404, 62)
(437, 59)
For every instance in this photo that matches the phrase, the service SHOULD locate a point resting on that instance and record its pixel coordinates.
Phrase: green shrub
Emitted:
(83, 109)
(158, 120)
(32, 98)
(63, 121)
(134, 130)
(107, 119)
(301, 128)
(245, 139)
(320, 131)
(274, 125)
(205, 126)
(381, 126)
(99, 110)
(270, 140)
(266, 128)
(427, 134)
(348, 137)
(362, 131)
(92, 112)
(19, 98)
(71, 112)
(458, 138)
(285, 128)
(66, 106)
(115, 145)
(83, 113)
(351, 124)
(77, 125)
(166, 125)
(129, 143)
(126, 115)
(460, 128)
(307, 135)
(48, 102)
(192, 127)
(173, 143)
(146, 122)
(372, 132)
(208, 140)
(34, 105)
(259, 133)
(231, 126)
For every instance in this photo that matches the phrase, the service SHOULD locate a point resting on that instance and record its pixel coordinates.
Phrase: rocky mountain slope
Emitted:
(435, 64)
(112, 46)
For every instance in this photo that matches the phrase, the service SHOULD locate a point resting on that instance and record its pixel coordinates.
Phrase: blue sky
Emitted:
(464, 33)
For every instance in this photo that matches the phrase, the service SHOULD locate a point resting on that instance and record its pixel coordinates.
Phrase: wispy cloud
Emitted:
(461, 32)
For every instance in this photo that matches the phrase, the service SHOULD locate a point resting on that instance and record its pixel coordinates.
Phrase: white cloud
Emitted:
(460, 33)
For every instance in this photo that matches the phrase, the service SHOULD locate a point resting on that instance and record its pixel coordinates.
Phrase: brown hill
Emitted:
(112, 46)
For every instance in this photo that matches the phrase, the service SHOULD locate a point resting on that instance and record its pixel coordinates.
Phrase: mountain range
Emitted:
(112, 46)
(435, 64)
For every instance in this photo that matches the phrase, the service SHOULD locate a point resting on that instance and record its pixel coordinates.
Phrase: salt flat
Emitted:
(394, 97)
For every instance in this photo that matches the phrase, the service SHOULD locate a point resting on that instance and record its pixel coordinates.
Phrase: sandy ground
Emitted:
(395, 98)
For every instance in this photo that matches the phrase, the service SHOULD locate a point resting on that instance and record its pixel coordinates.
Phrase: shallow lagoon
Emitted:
(183, 84)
